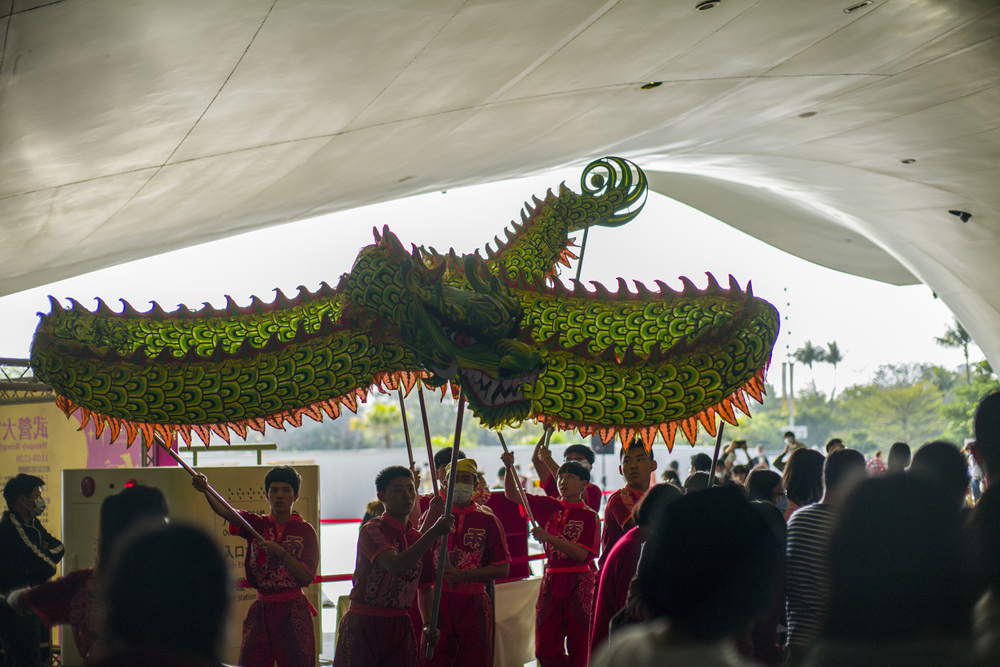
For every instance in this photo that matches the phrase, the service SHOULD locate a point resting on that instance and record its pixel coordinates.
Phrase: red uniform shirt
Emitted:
(573, 522)
(592, 496)
(376, 590)
(514, 521)
(297, 537)
(617, 513)
(612, 590)
(70, 599)
(477, 541)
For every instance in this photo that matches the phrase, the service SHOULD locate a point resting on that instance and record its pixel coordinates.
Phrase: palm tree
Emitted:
(957, 336)
(809, 354)
(833, 357)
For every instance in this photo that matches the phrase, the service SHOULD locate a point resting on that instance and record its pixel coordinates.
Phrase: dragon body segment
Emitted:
(521, 343)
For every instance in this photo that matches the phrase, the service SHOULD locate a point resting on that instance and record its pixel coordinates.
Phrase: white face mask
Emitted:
(463, 493)
(39, 506)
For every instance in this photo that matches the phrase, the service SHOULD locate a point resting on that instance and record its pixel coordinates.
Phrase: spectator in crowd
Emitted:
(791, 444)
(709, 568)
(942, 463)
(670, 476)
(806, 555)
(833, 445)
(900, 591)
(899, 457)
(986, 449)
(760, 459)
(166, 595)
(72, 599)
(700, 462)
(876, 466)
(803, 479)
(28, 556)
(765, 486)
(738, 474)
(696, 481)
(623, 559)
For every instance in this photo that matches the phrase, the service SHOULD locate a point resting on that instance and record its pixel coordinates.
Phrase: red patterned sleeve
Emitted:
(591, 536)
(51, 600)
(310, 550)
(372, 541)
(239, 530)
(617, 511)
(498, 552)
(542, 507)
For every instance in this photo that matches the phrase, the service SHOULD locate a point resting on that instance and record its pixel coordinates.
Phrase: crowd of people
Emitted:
(816, 558)
(819, 557)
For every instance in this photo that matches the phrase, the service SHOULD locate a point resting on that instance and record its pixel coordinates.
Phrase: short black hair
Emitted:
(943, 463)
(760, 484)
(385, 476)
(584, 450)
(168, 587)
(653, 503)
(131, 507)
(286, 474)
(701, 462)
(711, 564)
(636, 442)
(833, 443)
(789, 433)
(20, 485)
(443, 457)
(574, 468)
(899, 456)
(841, 465)
(696, 481)
(502, 472)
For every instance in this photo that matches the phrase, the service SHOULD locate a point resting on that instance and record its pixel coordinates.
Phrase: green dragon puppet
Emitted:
(520, 342)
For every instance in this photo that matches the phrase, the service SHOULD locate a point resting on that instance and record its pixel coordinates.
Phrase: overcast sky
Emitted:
(873, 323)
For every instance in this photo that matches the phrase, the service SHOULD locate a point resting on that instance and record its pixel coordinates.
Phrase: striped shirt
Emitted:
(808, 573)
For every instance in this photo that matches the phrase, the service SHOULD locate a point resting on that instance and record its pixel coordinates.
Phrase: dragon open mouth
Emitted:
(491, 392)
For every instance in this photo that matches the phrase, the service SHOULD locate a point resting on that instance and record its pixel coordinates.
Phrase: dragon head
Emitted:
(466, 331)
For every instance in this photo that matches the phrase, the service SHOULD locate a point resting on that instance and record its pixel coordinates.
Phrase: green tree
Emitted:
(833, 357)
(380, 417)
(809, 354)
(959, 411)
(899, 404)
(958, 337)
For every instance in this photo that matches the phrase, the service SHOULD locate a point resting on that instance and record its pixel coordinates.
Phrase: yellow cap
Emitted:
(465, 465)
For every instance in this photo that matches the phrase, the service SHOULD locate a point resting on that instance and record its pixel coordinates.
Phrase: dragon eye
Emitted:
(463, 339)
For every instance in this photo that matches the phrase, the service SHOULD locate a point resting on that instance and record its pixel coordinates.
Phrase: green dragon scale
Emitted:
(518, 341)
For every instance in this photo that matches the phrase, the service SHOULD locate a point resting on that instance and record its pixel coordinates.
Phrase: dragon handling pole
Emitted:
(449, 500)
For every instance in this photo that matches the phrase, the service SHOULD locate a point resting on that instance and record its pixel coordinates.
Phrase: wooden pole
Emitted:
(715, 458)
(427, 436)
(215, 494)
(406, 429)
(449, 500)
(583, 249)
(520, 489)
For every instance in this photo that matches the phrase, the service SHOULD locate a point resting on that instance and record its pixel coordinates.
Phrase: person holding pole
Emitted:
(392, 560)
(637, 465)
(477, 554)
(571, 538)
(279, 626)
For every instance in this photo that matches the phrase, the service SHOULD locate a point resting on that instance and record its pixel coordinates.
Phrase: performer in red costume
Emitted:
(477, 554)
(392, 560)
(278, 627)
(546, 468)
(636, 467)
(514, 520)
(566, 597)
